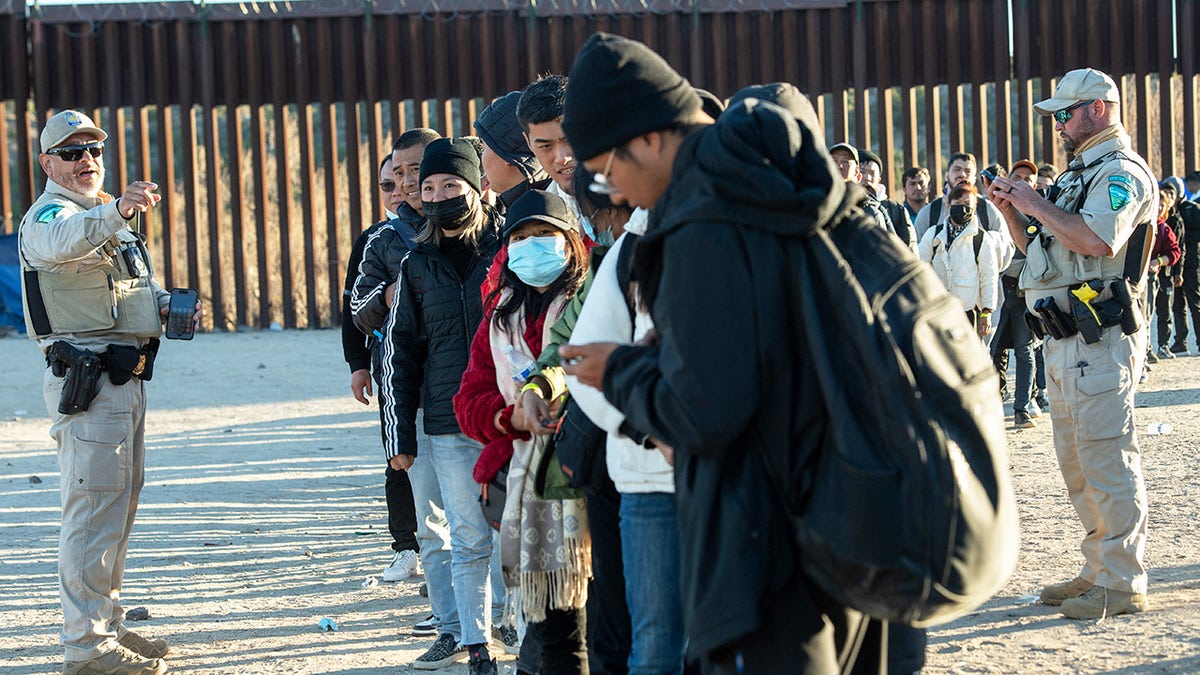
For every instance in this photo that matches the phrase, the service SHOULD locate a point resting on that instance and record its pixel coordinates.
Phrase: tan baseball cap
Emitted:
(1085, 84)
(1024, 163)
(66, 124)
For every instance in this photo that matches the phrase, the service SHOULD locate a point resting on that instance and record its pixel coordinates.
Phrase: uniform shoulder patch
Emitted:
(1118, 196)
(1116, 178)
(48, 213)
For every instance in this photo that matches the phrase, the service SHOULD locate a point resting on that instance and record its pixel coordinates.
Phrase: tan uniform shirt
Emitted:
(1110, 186)
(65, 232)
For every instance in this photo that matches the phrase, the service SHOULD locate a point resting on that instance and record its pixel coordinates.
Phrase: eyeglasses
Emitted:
(1062, 116)
(600, 181)
(73, 153)
(387, 185)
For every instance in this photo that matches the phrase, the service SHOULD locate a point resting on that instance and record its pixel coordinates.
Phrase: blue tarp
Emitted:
(10, 284)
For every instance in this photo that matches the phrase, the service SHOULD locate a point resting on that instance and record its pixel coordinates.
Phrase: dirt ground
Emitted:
(263, 513)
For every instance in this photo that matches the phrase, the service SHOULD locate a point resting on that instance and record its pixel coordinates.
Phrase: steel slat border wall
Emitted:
(268, 128)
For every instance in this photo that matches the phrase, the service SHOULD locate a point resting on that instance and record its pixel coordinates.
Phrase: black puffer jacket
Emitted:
(354, 342)
(727, 386)
(1189, 215)
(380, 266)
(431, 324)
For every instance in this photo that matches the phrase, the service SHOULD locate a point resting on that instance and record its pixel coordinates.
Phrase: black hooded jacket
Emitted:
(432, 321)
(727, 386)
(379, 266)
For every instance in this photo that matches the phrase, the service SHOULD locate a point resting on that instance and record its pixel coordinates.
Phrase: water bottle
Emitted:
(519, 364)
(1158, 428)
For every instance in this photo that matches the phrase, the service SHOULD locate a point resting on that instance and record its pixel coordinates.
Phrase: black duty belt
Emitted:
(1087, 315)
(122, 362)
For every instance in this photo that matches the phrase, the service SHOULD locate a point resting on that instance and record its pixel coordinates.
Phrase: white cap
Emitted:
(65, 125)
(1085, 84)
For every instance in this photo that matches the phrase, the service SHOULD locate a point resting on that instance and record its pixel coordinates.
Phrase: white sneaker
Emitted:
(404, 565)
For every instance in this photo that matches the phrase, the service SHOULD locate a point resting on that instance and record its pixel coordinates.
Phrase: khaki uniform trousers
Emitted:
(101, 457)
(1091, 390)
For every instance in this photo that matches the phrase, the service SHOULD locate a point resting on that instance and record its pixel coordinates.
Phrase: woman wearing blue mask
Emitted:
(547, 262)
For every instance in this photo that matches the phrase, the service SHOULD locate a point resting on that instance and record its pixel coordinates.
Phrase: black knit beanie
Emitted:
(618, 90)
(499, 127)
(455, 156)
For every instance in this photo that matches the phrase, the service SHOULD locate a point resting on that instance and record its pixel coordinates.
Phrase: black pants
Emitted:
(1187, 299)
(556, 645)
(608, 628)
(803, 631)
(1007, 334)
(402, 511)
(1162, 307)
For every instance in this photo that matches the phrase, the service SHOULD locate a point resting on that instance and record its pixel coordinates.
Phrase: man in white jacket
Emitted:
(965, 257)
(649, 534)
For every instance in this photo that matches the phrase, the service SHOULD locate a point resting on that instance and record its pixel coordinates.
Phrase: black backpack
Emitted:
(908, 514)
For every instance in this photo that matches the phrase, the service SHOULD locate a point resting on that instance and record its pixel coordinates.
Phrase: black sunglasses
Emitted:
(73, 153)
(387, 185)
(1063, 116)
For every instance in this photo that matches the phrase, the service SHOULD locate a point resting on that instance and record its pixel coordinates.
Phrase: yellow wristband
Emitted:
(532, 386)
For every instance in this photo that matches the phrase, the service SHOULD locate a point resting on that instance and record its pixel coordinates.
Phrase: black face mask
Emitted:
(961, 214)
(449, 215)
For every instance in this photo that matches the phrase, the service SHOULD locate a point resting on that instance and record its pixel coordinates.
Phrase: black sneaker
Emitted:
(1022, 420)
(1042, 402)
(506, 638)
(1179, 349)
(426, 626)
(481, 662)
(445, 650)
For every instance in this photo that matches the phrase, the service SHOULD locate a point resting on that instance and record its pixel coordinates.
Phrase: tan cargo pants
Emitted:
(1091, 390)
(101, 456)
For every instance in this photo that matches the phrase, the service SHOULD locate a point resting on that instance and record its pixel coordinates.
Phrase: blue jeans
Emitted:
(1023, 354)
(650, 552)
(433, 535)
(454, 457)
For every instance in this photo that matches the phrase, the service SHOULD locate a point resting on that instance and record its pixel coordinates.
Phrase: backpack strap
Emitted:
(625, 271)
(935, 210)
(976, 241)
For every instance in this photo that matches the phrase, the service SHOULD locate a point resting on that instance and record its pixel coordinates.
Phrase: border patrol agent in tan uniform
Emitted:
(92, 304)
(1085, 260)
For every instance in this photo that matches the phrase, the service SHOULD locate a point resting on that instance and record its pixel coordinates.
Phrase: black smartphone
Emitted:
(181, 314)
(987, 174)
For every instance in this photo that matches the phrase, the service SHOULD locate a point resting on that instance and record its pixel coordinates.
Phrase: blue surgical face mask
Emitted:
(604, 238)
(538, 261)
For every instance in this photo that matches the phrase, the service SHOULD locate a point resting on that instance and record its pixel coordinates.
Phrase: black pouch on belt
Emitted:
(1131, 316)
(1086, 321)
(1036, 325)
(1059, 325)
(125, 362)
